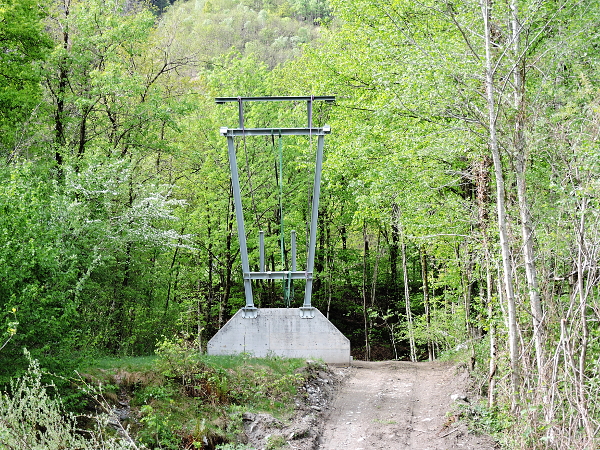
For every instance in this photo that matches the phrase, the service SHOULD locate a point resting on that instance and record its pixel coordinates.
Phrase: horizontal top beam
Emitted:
(326, 98)
(230, 132)
(281, 275)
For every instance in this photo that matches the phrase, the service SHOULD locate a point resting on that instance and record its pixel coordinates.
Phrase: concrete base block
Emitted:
(284, 332)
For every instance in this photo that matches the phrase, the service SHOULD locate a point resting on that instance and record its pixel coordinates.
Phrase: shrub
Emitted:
(31, 418)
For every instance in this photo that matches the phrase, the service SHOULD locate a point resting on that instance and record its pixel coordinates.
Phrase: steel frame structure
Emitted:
(250, 311)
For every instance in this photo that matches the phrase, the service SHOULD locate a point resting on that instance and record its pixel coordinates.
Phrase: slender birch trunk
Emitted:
(409, 318)
(425, 278)
(492, 334)
(364, 292)
(513, 338)
(375, 269)
(524, 212)
(583, 306)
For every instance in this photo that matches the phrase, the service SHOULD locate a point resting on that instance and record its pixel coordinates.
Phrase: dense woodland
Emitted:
(459, 202)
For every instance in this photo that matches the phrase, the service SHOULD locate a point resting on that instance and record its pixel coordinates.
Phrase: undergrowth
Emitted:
(32, 417)
(476, 414)
(184, 400)
(176, 400)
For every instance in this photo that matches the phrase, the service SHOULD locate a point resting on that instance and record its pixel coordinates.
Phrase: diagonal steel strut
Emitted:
(250, 311)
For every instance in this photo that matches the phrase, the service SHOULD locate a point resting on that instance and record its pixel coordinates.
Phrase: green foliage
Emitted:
(116, 213)
(96, 235)
(39, 267)
(23, 46)
(272, 31)
(187, 397)
(267, 384)
(31, 417)
(490, 421)
(72, 249)
(446, 328)
(275, 442)
(158, 430)
(119, 96)
(230, 446)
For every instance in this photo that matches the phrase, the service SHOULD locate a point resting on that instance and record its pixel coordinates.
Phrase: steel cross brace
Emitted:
(250, 311)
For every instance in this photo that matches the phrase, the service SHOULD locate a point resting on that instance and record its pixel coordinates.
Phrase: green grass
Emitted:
(182, 398)
(385, 422)
(130, 363)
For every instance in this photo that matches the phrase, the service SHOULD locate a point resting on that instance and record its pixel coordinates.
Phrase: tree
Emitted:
(411, 74)
(490, 87)
(23, 46)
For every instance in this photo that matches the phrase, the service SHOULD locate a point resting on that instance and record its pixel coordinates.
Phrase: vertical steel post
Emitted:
(241, 113)
(250, 311)
(293, 243)
(310, 263)
(239, 215)
(261, 249)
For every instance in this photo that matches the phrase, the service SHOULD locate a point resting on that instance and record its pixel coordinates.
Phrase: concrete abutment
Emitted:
(284, 332)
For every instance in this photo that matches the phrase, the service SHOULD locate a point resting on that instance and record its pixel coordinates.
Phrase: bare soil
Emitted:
(400, 405)
(389, 405)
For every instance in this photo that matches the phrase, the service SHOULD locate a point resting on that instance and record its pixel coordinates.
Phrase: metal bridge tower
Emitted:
(250, 311)
(283, 332)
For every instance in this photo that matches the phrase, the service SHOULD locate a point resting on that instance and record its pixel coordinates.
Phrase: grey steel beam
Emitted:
(293, 243)
(312, 243)
(239, 214)
(326, 98)
(326, 129)
(241, 114)
(261, 250)
(279, 275)
(250, 311)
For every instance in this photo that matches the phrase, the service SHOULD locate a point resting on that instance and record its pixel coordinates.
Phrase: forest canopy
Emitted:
(458, 203)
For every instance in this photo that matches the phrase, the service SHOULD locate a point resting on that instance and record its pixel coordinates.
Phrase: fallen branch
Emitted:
(449, 432)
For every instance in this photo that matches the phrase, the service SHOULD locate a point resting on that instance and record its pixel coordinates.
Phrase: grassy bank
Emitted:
(178, 399)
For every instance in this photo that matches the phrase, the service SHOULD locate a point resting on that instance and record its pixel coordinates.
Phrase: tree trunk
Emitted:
(320, 258)
(409, 318)
(513, 342)
(375, 269)
(210, 263)
(329, 262)
(492, 334)
(524, 212)
(581, 381)
(466, 275)
(364, 291)
(394, 251)
(226, 275)
(481, 171)
(63, 83)
(424, 277)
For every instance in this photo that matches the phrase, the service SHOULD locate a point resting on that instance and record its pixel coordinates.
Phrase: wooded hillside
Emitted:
(459, 200)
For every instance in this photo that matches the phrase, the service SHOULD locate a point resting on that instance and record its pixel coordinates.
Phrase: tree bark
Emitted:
(375, 269)
(524, 212)
(63, 82)
(481, 171)
(394, 251)
(513, 338)
(581, 381)
(409, 318)
(364, 291)
(425, 278)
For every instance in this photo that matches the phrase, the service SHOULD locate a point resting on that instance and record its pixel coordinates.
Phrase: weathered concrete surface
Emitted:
(282, 332)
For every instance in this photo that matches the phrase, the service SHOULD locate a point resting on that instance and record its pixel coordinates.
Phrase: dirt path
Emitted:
(398, 405)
